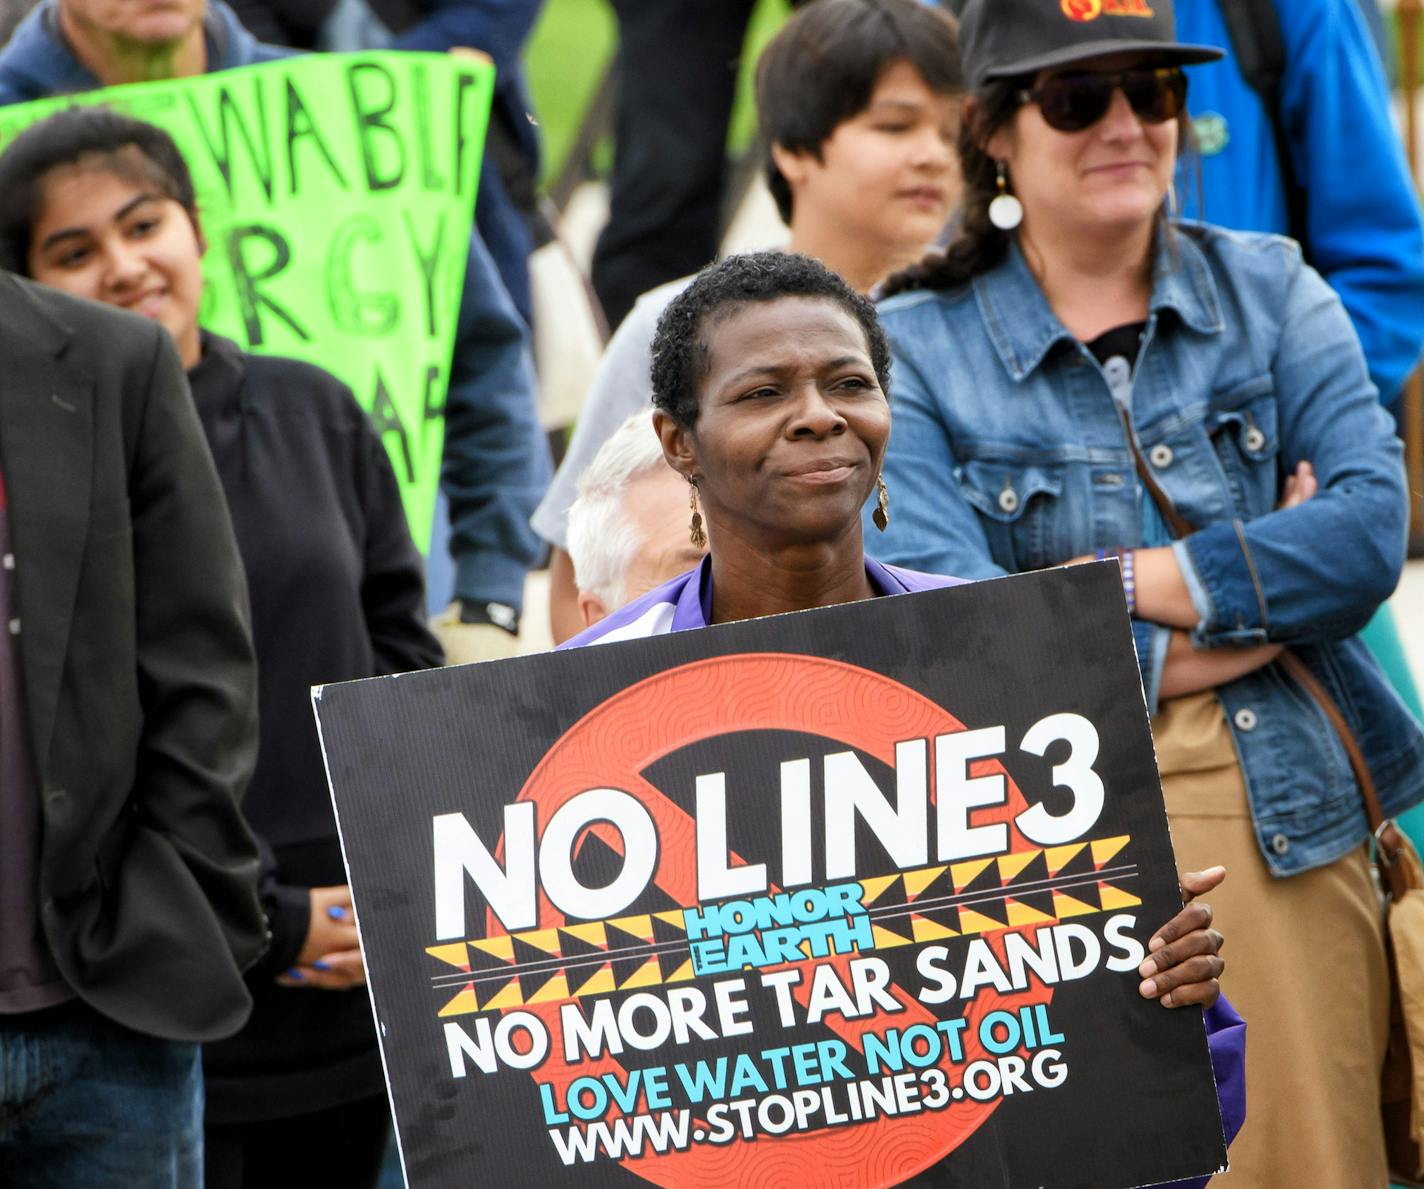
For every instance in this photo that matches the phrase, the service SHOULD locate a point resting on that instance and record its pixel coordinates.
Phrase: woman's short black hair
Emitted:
(821, 69)
(680, 353)
(130, 148)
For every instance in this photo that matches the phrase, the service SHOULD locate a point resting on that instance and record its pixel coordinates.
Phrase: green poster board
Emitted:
(336, 193)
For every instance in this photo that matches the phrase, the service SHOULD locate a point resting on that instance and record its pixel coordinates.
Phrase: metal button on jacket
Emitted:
(1254, 439)
(1280, 843)
(1161, 455)
(1245, 719)
(1009, 500)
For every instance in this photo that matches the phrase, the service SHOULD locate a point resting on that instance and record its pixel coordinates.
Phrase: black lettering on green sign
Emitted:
(300, 126)
(429, 265)
(433, 407)
(357, 311)
(387, 419)
(463, 84)
(429, 175)
(372, 126)
(246, 279)
(230, 118)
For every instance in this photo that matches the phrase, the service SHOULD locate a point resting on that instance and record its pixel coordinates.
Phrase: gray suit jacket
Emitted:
(138, 669)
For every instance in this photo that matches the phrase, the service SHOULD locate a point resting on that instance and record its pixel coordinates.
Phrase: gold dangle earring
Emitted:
(697, 532)
(881, 515)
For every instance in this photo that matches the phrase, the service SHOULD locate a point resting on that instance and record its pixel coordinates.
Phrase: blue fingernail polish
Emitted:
(336, 913)
(320, 965)
(295, 973)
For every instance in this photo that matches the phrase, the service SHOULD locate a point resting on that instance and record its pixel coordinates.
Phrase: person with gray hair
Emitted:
(628, 527)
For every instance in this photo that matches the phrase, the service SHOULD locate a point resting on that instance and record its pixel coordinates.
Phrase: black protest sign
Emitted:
(826, 899)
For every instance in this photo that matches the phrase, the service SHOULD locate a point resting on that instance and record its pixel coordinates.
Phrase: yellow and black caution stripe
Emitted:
(1024, 889)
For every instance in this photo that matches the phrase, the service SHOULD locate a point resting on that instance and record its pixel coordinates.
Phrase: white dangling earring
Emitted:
(1005, 211)
(1172, 203)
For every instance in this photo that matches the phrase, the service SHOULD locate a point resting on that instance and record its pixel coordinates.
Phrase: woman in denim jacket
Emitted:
(1069, 307)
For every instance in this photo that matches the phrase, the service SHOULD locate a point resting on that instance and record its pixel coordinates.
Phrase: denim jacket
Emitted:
(1008, 454)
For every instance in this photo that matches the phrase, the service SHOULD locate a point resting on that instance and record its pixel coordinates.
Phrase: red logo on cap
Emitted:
(1088, 10)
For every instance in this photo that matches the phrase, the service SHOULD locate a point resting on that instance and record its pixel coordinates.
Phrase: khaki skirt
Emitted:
(1305, 967)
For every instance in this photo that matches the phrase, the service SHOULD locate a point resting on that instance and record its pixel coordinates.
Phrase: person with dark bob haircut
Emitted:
(139, 152)
(821, 71)
(101, 206)
(858, 101)
(770, 387)
(680, 344)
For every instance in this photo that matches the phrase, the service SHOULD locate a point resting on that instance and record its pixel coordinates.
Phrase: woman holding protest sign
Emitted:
(1079, 374)
(102, 206)
(769, 383)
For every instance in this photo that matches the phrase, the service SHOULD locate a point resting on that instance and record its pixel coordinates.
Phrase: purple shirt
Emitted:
(686, 602)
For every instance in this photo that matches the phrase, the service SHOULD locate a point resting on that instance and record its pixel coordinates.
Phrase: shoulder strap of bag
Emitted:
(1259, 48)
(1385, 832)
(1179, 524)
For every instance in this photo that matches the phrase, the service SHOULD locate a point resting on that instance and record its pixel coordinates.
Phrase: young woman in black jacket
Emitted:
(102, 206)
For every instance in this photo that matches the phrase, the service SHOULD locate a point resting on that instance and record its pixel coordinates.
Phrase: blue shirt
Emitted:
(1362, 229)
(37, 62)
(1007, 454)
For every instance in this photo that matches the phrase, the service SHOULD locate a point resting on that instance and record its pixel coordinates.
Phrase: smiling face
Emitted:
(791, 425)
(1113, 175)
(100, 235)
(889, 173)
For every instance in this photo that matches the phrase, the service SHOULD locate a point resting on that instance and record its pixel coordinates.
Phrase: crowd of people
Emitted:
(1039, 304)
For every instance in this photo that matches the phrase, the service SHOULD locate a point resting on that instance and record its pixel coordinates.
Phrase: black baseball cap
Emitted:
(1003, 38)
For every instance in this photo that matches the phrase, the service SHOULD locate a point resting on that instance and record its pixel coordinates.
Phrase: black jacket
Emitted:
(138, 678)
(337, 594)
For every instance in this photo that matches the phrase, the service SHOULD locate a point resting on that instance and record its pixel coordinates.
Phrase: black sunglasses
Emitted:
(1072, 102)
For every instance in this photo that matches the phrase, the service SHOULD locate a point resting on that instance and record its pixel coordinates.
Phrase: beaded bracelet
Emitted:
(1127, 562)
